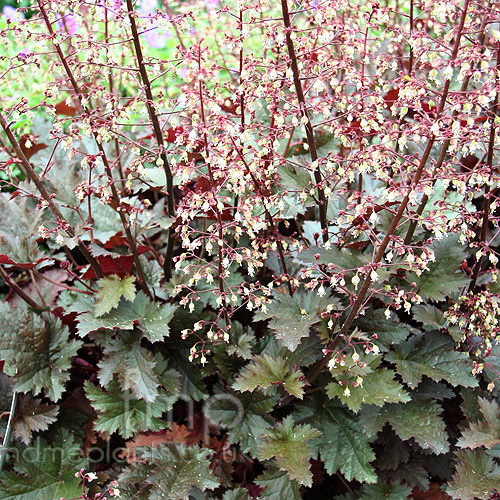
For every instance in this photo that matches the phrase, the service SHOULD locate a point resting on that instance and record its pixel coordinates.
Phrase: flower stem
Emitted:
(107, 166)
(30, 172)
(158, 135)
(322, 201)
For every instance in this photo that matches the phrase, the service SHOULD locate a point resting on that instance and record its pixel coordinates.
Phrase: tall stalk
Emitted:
(114, 193)
(30, 172)
(158, 136)
(311, 142)
(487, 190)
(358, 303)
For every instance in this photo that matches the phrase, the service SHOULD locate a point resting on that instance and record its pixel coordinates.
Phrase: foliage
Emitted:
(44, 470)
(249, 249)
(265, 371)
(112, 288)
(175, 469)
(288, 444)
(37, 351)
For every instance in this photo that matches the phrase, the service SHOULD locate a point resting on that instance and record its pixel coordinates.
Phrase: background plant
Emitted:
(250, 251)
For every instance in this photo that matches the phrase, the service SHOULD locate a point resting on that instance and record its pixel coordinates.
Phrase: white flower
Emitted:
(355, 281)
(448, 72)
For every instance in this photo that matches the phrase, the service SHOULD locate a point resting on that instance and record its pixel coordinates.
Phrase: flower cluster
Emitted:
(351, 363)
(477, 315)
(87, 477)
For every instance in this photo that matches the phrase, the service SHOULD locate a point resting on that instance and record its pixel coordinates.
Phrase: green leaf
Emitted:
(18, 218)
(344, 259)
(392, 449)
(308, 352)
(197, 494)
(112, 288)
(293, 206)
(443, 276)
(385, 491)
(245, 415)
(292, 317)
(192, 385)
(429, 389)
(470, 404)
(430, 316)
(485, 432)
(236, 494)
(39, 288)
(133, 364)
(287, 443)
(176, 469)
(153, 273)
(476, 476)
(343, 445)
(454, 202)
(106, 221)
(224, 364)
(278, 485)
(32, 416)
(413, 472)
(132, 481)
(379, 387)
(420, 420)
(168, 378)
(19, 231)
(37, 351)
(441, 466)
(293, 177)
(23, 252)
(389, 331)
(153, 319)
(44, 472)
(120, 411)
(434, 355)
(265, 371)
(243, 346)
(242, 341)
(164, 222)
(63, 182)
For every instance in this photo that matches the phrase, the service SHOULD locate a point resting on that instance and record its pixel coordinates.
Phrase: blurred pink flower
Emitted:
(155, 36)
(112, 8)
(211, 4)
(12, 13)
(67, 23)
(148, 5)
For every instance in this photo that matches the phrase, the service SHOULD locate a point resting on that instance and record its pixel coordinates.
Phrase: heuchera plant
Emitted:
(249, 249)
